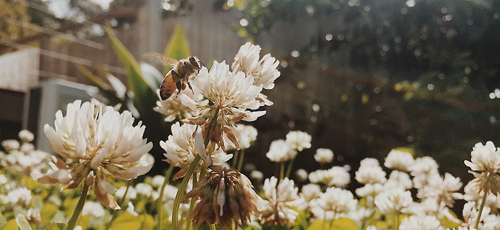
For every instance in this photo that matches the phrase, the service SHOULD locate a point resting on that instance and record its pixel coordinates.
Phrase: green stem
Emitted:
(235, 159)
(481, 208)
(120, 203)
(240, 161)
(180, 192)
(397, 221)
(282, 170)
(160, 198)
(289, 169)
(212, 227)
(79, 206)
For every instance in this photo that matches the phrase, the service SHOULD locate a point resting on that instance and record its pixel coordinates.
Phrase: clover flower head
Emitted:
(393, 200)
(281, 151)
(225, 195)
(95, 142)
(420, 222)
(399, 179)
(370, 172)
(263, 71)
(181, 149)
(485, 166)
(337, 200)
(399, 160)
(174, 108)
(298, 140)
(335, 176)
(281, 201)
(323, 156)
(26, 135)
(231, 96)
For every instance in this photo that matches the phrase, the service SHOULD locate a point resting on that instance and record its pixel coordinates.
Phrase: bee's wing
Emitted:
(161, 58)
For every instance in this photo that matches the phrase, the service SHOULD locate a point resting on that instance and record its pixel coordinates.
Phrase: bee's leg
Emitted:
(201, 64)
(190, 87)
(175, 76)
(180, 86)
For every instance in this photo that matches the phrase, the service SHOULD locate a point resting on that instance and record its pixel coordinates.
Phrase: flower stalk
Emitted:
(79, 206)
(180, 192)
(483, 201)
(160, 198)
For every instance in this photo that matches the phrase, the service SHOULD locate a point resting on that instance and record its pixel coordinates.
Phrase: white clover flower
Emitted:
(399, 160)
(26, 135)
(443, 189)
(174, 108)
(310, 192)
(422, 169)
(323, 156)
(281, 202)
(335, 176)
(298, 140)
(257, 175)
(226, 197)
(93, 209)
(96, 142)
(144, 189)
(301, 175)
(370, 191)
(169, 193)
(281, 151)
(157, 181)
(473, 193)
(485, 167)
(420, 222)
(27, 147)
(10, 145)
(131, 193)
(398, 179)
(131, 209)
(488, 221)
(249, 130)
(18, 196)
(232, 95)
(370, 172)
(244, 143)
(393, 200)
(337, 200)
(181, 149)
(263, 71)
(3, 179)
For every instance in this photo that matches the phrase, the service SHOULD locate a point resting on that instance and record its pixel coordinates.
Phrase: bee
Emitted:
(177, 78)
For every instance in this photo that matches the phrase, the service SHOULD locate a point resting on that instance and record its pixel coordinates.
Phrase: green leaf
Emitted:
(48, 212)
(147, 221)
(344, 224)
(144, 96)
(126, 221)
(11, 225)
(3, 221)
(93, 78)
(338, 224)
(178, 46)
(22, 222)
(319, 225)
(55, 226)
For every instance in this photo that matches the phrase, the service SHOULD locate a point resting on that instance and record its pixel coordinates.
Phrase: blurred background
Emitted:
(361, 76)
